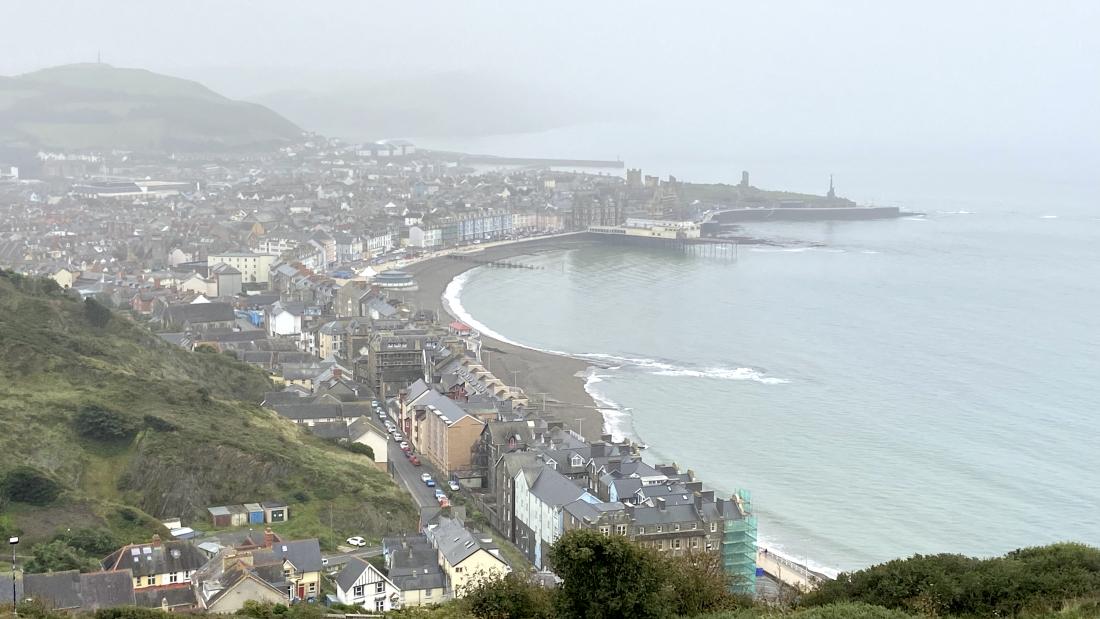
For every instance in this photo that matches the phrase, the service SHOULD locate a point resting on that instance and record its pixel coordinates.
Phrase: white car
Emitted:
(453, 485)
(397, 437)
(404, 445)
(356, 541)
(424, 477)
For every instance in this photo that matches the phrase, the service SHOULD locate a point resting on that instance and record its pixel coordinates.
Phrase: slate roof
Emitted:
(554, 489)
(309, 411)
(174, 596)
(61, 589)
(455, 542)
(195, 313)
(353, 569)
(416, 569)
(156, 558)
(304, 554)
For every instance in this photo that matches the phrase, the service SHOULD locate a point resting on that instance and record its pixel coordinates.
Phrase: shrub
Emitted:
(57, 556)
(511, 597)
(26, 484)
(96, 313)
(92, 542)
(360, 448)
(607, 577)
(103, 424)
(160, 425)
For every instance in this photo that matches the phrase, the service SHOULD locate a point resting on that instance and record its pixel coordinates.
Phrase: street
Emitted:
(408, 476)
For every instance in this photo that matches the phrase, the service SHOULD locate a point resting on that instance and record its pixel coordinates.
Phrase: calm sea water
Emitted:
(914, 385)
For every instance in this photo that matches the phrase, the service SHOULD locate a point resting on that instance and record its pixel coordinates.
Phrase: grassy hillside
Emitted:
(97, 106)
(161, 431)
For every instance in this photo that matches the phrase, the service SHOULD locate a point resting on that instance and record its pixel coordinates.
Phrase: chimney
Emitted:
(661, 504)
(698, 501)
(337, 373)
(156, 539)
(269, 537)
(605, 438)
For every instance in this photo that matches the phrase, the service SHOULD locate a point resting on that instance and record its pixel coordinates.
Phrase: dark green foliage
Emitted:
(102, 424)
(26, 484)
(206, 349)
(1029, 580)
(698, 584)
(97, 314)
(511, 597)
(607, 577)
(57, 556)
(301, 496)
(159, 424)
(360, 448)
(92, 542)
(131, 612)
(266, 610)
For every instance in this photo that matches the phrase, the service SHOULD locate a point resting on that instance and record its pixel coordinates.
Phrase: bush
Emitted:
(360, 448)
(1029, 580)
(103, 424)
(96, 313)
(57, 556)
(160, 425)
(131, 612)
(92, 542)
(511, 597)
(26, 484)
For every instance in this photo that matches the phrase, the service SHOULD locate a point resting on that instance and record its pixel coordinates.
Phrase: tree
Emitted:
(92, 542)
(699, 584)
(103, 424)
(25, 484)
(608, 576)
(514, 596)
(57, 556)
(96, 313)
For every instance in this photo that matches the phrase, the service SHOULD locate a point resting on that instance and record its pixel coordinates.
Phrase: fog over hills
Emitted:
(93, 105)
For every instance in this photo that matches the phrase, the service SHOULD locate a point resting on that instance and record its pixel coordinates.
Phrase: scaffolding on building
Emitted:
(739, 545)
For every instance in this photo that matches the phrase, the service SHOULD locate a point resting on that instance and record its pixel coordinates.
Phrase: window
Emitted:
(605, 530)
(312, 587)
(174, 577)
(660, 528)
(150, 581)
(713, 527)
(357, 591)
(380, 605)
(676, 544)
(694, 525)
(641, 530)
(137, 582)
(286, 574)
(458, 570)
(660, 544)
(695, 543)
(676, 527)
(620, 529)
(380, 587)
(427, 593)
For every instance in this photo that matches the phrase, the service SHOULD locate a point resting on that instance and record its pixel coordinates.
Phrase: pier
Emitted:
(696, 246)
(499, 264)
(788, 572)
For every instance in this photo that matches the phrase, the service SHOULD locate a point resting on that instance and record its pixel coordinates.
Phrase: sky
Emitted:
(1008, 85)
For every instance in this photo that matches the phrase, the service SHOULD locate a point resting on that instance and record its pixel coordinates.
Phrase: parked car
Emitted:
(405, 446)
(444, 502)
(397, 437)
(453, 485)
(429, 482)
(356, 541)
(414, 459)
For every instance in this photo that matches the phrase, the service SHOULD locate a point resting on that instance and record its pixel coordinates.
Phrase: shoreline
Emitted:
(562, 379)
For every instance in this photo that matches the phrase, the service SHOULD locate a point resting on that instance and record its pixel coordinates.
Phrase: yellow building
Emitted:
(301, 563)
(157, 564)
(466, 559)
(253, 267)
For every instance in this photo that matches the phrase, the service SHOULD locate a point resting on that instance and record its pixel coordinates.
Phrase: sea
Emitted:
(883, 388)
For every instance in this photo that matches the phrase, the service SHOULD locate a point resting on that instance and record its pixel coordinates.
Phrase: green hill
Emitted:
(126, 426)
(97, 106)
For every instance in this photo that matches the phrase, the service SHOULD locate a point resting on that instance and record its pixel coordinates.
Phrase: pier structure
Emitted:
(788, 572)
(682, 236)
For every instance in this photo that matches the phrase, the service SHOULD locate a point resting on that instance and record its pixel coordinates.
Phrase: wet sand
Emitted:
(561, 379)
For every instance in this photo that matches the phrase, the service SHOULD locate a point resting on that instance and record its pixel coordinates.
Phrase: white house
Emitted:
(361, 584)
(284, 319)
(379, 243)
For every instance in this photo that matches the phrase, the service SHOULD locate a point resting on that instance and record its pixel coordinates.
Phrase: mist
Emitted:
(900, 102)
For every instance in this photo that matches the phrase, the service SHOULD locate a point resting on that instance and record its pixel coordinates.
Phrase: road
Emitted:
(337, 559)
(408, 476)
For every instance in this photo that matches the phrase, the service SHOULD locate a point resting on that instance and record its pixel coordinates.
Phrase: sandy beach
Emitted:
(560, 378)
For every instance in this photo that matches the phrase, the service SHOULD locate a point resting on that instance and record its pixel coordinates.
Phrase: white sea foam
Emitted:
(1048, 217)
(954, 212)
(869, 251)
(725, 374)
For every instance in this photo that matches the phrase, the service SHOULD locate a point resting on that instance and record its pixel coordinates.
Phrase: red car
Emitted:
(415, 461)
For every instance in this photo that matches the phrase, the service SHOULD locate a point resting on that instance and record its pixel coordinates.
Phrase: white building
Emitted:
(540, 496)
(379, 243)
(361, 584)
(428, 238)
(254, 268)
(284, 319)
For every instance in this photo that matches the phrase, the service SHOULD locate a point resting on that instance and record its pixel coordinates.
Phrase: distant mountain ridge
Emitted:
(97, 106)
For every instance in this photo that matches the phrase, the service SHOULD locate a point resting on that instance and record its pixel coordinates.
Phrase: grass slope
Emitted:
(201, 440)
(97, 106)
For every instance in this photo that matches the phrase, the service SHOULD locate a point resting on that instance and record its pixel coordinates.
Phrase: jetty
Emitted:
(788, 572)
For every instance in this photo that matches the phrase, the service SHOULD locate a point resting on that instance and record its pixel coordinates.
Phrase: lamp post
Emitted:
(13, 541)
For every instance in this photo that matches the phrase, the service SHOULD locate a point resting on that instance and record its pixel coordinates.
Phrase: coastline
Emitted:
(561, 378)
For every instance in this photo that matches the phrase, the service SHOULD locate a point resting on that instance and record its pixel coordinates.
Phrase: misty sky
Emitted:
(1000, 81)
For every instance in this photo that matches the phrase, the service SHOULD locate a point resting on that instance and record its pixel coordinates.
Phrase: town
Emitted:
(298, 263)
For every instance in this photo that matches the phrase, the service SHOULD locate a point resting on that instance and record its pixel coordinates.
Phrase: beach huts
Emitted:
(267, 512)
